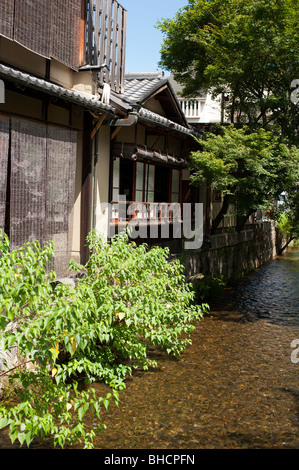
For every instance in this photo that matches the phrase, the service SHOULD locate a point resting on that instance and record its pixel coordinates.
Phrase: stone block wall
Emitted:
(232, 255)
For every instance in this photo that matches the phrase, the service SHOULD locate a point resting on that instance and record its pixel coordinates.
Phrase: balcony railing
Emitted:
(145, 212)
(191, 108)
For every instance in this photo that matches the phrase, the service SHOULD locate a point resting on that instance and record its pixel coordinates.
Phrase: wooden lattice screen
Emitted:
(106, 25)
(6, 18)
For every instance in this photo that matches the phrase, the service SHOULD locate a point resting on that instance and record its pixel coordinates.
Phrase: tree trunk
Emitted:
(243, 219)
(286, 245)
(221, 214)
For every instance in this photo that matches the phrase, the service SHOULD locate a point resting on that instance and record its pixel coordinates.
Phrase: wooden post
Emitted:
(86, 190)
(115, 132)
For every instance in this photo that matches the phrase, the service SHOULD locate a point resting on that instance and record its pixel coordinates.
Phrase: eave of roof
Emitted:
(154, 118)
(90, 102)
(139, 90)
(50, 88)
(140, 87)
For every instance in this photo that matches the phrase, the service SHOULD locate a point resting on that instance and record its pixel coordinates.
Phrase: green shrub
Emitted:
(284, 223)
(128, 298)
(209, 286)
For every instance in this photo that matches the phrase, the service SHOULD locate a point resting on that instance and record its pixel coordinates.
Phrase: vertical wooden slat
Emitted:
(114, 39)
(123, 53)
(119, 44)
(97, 32)
(106, 40)
(103, 32)
(108, 34)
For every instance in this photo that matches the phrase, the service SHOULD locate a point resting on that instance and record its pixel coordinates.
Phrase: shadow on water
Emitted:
(235, 387)
(271, 293)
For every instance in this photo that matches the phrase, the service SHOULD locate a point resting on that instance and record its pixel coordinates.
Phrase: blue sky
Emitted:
(143, 39)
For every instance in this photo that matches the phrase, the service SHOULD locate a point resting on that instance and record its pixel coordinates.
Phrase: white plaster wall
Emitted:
(101, 182)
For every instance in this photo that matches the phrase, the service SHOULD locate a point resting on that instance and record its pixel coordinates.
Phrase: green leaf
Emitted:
(81, 413)
(28, 438)
(21, 437)
(3, 422)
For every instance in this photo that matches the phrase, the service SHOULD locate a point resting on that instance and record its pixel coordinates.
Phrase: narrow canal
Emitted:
(235, 387)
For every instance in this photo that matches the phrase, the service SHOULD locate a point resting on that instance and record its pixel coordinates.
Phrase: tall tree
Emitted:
(250, 169)
(245, 49)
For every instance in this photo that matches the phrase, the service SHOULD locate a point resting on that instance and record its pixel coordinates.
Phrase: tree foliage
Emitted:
(247, 50)
(251, 169)
(127, 299)
(287, 214)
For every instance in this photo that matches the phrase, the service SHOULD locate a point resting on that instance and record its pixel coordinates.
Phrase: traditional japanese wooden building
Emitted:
(76, 132)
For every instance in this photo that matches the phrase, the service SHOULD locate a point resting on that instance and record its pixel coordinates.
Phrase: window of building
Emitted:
(145, 182)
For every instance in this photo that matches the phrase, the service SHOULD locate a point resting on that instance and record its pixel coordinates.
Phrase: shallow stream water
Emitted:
(235, 387)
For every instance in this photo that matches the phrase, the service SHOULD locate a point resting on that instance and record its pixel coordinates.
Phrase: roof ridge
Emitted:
(143, 75)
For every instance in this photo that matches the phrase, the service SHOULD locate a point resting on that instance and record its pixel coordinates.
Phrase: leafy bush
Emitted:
(284, 223)
(209, 286)
(127, 298)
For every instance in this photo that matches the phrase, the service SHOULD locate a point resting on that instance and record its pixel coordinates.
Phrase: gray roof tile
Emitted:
(139, 85)
(51, 88)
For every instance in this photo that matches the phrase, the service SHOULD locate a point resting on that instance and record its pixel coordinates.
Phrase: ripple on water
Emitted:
(272, 292)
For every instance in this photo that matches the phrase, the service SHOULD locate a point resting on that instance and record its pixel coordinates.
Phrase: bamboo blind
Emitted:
(28, 177)
(42, 184)
(48, 28)
(4, 143)
(32, 25)
(60, 187)
(65, 32)
(7, 18)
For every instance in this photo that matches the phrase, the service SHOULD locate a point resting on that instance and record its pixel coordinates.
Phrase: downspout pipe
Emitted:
(130, 120)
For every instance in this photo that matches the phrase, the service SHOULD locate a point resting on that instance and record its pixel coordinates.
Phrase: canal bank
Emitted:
(231, 255)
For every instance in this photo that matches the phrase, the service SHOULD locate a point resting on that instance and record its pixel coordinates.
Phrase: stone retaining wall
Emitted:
(232, 255)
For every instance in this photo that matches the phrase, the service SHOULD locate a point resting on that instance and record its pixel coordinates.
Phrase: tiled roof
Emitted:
(43, 85)
(154, 118)
(139, 85)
